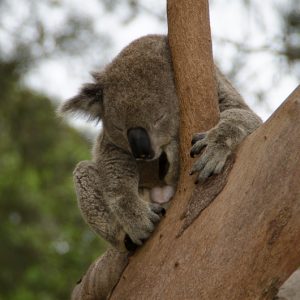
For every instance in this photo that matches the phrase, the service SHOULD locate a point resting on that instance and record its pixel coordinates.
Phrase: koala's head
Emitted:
(135, 98)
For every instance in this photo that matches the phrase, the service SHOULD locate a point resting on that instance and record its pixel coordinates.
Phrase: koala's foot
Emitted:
(214, 151)
(141, 226)
(102, 276)
(139, 220)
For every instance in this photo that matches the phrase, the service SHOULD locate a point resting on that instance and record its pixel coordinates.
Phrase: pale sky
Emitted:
(229, 20)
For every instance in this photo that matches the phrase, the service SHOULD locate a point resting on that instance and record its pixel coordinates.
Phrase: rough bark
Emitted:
(190, 42)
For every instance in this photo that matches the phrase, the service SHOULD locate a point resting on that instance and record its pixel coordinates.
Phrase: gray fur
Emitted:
(137, 90)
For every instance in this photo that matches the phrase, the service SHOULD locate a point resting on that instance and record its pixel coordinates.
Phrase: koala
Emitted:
(124, 190)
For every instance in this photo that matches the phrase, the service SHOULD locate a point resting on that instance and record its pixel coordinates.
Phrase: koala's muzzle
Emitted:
(140, 144)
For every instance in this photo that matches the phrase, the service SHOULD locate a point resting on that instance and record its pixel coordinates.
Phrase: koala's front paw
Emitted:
(141, 222)
(214, 152)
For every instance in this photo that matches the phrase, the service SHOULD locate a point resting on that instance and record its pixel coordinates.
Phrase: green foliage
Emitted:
(45, 246)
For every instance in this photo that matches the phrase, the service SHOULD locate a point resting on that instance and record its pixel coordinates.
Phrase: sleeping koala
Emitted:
(119, 194)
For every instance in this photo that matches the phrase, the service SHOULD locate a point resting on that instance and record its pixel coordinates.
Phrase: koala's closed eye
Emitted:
(159, 119)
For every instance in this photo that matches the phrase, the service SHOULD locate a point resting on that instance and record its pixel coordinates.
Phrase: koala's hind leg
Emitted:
(94, 206)
(101, 277)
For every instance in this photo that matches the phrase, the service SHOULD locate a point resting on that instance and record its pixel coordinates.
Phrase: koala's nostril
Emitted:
(140, 144)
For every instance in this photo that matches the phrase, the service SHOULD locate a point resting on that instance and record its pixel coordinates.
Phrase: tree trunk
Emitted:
(190, 43)
(246, 243)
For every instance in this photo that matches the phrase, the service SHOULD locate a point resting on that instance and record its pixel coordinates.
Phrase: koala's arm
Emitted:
(107, 193)
(237, 121)
(119, 176)
(94, 205)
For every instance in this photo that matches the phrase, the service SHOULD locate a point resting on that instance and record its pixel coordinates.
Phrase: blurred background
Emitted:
(47, 49)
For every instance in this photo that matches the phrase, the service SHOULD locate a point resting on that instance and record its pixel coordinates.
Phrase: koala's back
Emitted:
(139, 80)
(145, 59)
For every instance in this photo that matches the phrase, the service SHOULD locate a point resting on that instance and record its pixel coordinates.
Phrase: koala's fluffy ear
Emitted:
(88, 102)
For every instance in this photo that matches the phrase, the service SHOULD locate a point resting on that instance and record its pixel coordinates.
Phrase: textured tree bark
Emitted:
(190, 42)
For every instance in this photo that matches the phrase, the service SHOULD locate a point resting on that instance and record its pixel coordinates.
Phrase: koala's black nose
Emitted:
(140, 144)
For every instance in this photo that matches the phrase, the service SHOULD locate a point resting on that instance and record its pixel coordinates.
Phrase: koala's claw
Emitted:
(158, 209)
(140, 228)
(197, 137)
(212, 159)
(211, 162)
(129, 244)
(198, 146)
